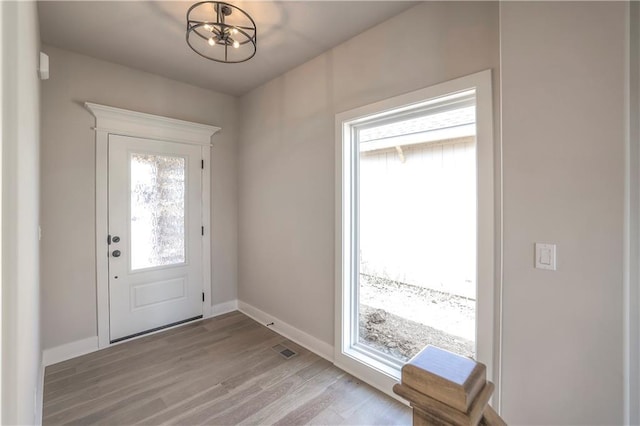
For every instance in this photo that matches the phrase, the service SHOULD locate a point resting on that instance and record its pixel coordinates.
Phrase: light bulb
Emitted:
(211, 41)
(236, 44)
(234, 31)
(208, 27)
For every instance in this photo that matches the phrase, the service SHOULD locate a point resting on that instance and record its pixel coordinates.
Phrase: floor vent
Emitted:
(284, 351)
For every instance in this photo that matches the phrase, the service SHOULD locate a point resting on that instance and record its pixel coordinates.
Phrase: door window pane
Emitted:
(157, 210)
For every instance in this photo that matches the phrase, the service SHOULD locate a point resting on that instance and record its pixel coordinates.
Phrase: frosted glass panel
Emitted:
(157, 210)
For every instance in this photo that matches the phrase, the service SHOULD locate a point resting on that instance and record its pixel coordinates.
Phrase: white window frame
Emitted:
(378, 371)
(117, 121)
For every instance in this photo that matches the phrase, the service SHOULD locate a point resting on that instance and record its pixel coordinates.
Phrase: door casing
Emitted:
(117, 121)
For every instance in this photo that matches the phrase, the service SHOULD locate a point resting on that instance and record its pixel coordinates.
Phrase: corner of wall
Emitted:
(21, 338)
(296, 335)
(632, 223)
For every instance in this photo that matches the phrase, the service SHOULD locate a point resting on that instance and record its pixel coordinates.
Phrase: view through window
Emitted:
(416, 195)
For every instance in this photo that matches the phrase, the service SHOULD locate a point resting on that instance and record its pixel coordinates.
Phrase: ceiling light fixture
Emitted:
(221, 32)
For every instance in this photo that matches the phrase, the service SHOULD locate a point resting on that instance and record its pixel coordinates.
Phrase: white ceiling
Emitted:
(150, 35)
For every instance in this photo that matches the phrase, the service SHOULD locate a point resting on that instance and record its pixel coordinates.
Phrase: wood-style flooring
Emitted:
(220, 371)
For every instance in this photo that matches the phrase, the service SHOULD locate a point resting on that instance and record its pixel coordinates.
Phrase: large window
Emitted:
(415, 241)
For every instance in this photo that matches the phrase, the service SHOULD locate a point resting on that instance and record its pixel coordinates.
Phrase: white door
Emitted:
(155, 238)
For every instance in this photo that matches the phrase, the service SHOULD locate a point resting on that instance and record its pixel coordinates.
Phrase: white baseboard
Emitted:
(296, 335)
(69, 350)
(224, 308)
(90, 344)
(39, 399)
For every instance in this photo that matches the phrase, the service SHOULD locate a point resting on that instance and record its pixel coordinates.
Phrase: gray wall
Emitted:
(286, 161)
(632, 293)
(563, 148)
(563, 122)
(68, 180)
(20, 109)
(563, 164)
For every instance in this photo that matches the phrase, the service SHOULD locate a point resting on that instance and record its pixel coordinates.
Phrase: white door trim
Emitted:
(117, 121)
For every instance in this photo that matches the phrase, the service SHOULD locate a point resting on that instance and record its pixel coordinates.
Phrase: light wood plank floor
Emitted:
(220, 371)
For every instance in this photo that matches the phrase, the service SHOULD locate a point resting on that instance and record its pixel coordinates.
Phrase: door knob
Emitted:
(116, 253)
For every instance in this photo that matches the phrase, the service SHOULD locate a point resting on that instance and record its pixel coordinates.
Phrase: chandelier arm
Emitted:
(243, 27)
(195, 30)
(248, 38)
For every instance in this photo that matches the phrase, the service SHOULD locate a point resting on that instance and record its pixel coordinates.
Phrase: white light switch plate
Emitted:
(545, 256)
